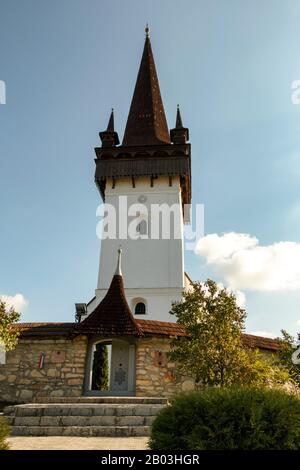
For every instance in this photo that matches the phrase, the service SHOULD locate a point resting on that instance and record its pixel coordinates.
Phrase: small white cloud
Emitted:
(244, 264)
(17, 301)
(265, 334)
(239, 295)
(216, 247)
(240, 298)
(298, 322)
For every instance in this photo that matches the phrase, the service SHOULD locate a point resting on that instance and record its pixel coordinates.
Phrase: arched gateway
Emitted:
(112, 331)
(112, 372)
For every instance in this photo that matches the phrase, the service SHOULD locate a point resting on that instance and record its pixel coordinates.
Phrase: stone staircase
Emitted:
(85, 416)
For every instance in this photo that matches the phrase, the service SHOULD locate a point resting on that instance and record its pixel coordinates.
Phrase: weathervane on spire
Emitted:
(147, 30)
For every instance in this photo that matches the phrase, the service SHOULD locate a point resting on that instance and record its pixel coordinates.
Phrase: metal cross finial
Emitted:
(118, 270)
(147, 30)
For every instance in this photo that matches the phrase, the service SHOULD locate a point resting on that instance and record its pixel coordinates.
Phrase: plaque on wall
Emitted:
(58, 356)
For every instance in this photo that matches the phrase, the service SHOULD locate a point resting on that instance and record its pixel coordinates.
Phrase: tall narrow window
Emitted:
(140, 308)
(142, 228)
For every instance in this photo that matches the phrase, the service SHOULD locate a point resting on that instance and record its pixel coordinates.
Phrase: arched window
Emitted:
(140, 308)
(142, 227)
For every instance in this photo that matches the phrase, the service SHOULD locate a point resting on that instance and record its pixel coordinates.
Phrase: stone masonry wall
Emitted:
(62, 374)
(155, 374)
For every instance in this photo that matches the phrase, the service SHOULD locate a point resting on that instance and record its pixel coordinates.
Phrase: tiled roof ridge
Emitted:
(156, 327)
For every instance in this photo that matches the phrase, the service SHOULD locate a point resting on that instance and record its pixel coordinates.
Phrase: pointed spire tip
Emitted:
(146, 122)
(178, 118)
(147, 30)
(111, 124)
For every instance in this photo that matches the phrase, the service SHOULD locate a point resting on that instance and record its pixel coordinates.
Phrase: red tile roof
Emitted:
(260, 342)
(154, 327)
(45, 329)
(146, 328)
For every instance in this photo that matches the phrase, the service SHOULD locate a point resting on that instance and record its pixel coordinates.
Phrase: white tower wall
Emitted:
(153, 270)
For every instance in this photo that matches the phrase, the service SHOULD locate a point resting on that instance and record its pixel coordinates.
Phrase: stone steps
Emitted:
(80, 420)
(82, 431)
(128, 417)
(99, 399)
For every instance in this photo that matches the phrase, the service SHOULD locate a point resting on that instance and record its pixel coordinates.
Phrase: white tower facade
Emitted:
(146, 182)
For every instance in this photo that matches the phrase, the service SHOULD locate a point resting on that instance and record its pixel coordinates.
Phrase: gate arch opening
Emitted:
(110, 368)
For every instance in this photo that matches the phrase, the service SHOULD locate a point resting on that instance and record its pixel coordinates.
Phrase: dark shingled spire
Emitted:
(111, 122)
(146, 123)
(178, 118)
(109, 138)
(180, 134)
(112, 317)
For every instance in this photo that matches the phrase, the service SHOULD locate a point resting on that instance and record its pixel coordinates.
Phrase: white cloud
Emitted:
(221, 247)
(240, 298)
(265, 334)
(244, 264)
(17, 301)
(239, 295)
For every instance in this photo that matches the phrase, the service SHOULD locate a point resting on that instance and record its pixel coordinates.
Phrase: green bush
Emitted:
(221, 419)
(100, 368)
(4, 433)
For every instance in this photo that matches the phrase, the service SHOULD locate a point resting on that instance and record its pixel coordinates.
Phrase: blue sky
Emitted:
(65, 63)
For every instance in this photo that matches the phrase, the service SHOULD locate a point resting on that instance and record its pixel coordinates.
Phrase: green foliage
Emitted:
(224, 419)
(4, 433)
(100, 368)
(260, 370)
(213, 352)
(8, 335)
(287, 348)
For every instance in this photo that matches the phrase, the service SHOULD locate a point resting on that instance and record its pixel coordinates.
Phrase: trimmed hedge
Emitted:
(4, 433)
(223, 419)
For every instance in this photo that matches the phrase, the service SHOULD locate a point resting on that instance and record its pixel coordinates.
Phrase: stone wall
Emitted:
(155, 374)
(63, 371)
(62, 374)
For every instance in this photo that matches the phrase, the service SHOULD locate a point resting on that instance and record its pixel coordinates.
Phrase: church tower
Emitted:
(150, 169)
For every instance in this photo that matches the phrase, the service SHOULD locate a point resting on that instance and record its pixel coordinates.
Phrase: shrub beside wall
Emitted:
(223, 419)
(4, 433)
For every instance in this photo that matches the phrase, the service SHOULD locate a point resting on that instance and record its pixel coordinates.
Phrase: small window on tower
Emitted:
(140, 308)
(142, 228)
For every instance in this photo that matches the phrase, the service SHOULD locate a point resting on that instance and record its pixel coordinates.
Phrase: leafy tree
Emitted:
(100, 368)
(213, 352)
(8, 334)
(287, 348)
